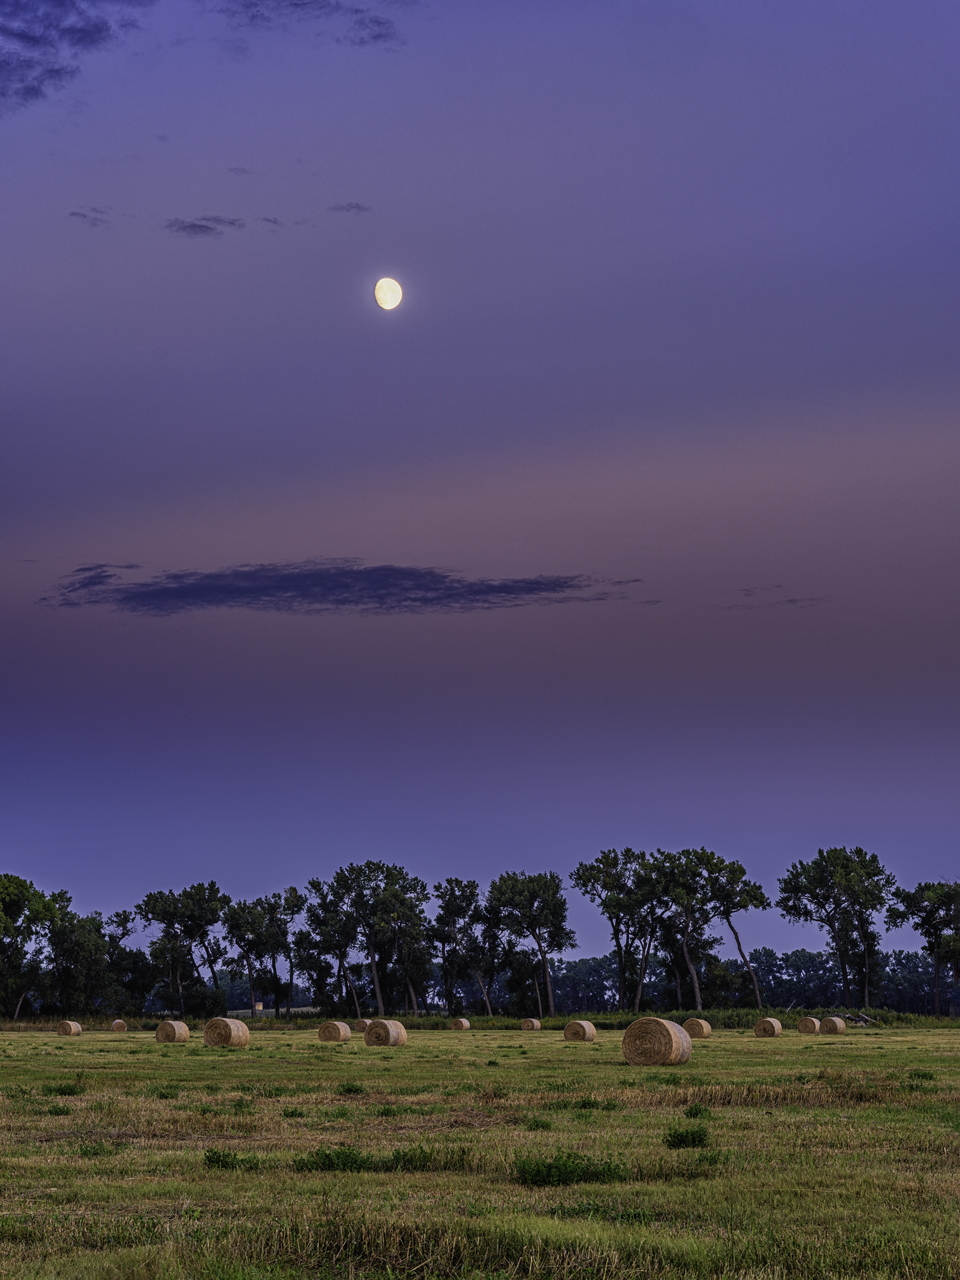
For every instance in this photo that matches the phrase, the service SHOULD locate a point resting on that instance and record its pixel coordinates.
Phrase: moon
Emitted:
(387, 293)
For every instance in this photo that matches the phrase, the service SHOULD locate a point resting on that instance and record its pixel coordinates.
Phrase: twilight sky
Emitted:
(636, 523)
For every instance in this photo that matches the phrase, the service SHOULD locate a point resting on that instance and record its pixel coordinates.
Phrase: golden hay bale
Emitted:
(173, 1033)
(361, 1025)
(226, 1033)
(767, 1027)
(383, 1033)
(69, 1029)
(460, 1024)
(530, 1024)
(833, 1027)
(808, 1026)
(580, 1032)
(119, 1025)
(698, 1029)
(333, 1033)
(656, 1042)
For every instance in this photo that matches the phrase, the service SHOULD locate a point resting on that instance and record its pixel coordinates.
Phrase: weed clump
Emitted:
(351, 1088)
(214, 1158)
(691, 1135)
(697, 1111)
(536, 1124)
(565, 1168)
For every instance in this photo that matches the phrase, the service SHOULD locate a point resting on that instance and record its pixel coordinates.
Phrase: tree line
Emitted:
(373, 936)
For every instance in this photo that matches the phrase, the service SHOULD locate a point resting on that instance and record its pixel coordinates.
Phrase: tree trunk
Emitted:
(353, 989)
(16, 1012)
(546, 980)
(413, 997)
(621, 975)
(210, 966)
(536, 985)
(693, 971)
(676, 975)
(376, 985)
(290, 990)
(936, 984)
(753, 976)
(486, 998)
(644, 960)
(253, 998)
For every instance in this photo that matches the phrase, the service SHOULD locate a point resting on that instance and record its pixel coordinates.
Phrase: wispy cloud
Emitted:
(351, 206)
(320, 586)
(40, 41)
(358, 25)
(207, 226)
(91, 216)
(781, 602)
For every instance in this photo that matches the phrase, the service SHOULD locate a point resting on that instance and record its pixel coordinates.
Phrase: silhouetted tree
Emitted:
(533, 906)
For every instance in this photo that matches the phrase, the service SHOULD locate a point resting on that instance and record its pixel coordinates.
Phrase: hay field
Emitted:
(801, 1156)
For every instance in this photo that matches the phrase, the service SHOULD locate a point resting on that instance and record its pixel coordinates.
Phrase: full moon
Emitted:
(387, 293)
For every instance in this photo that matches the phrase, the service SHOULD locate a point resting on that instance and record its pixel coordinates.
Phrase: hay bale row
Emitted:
(767, 1027)
(698, 1029)
(656, 1042)
(833, 1027)
(360, 1026)
(809, 1026)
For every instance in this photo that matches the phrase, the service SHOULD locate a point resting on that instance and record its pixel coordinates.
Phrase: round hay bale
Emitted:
(361, 1025)
(833, 1027)
(119, 1025)
(173, 1033)
(580, 1032)
(656, 1042)
(698, 1029)
(767, 1027)
(226, 1033)
(809, 1026)
(383, 1033)
(530, 1024)
(69, 1029)
(333, 1033)
(460, 1024)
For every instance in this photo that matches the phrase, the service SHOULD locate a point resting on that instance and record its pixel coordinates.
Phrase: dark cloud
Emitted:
(182, 227)
(209, 225)
(40, 41)
(360, 26)
(319, 586)
(236, 168)
(785, 602)
(274, 222)
(91, 217)
(351, 206)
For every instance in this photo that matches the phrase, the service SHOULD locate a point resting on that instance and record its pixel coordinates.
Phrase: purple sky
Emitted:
(662, 443)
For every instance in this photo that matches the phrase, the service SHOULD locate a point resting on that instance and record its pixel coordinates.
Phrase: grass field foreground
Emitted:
(482, 1152)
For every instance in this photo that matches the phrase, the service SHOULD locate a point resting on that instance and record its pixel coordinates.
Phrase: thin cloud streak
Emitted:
(322, 586)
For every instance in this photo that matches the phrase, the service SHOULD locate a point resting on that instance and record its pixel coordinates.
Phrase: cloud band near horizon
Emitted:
(320, 586)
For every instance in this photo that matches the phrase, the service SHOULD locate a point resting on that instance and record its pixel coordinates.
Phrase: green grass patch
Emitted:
(566, 1168)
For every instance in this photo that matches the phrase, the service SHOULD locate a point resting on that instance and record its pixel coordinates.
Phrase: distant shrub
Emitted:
(697, 1111)
(214, 1158)
(691, 1135)
(565, 1168)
